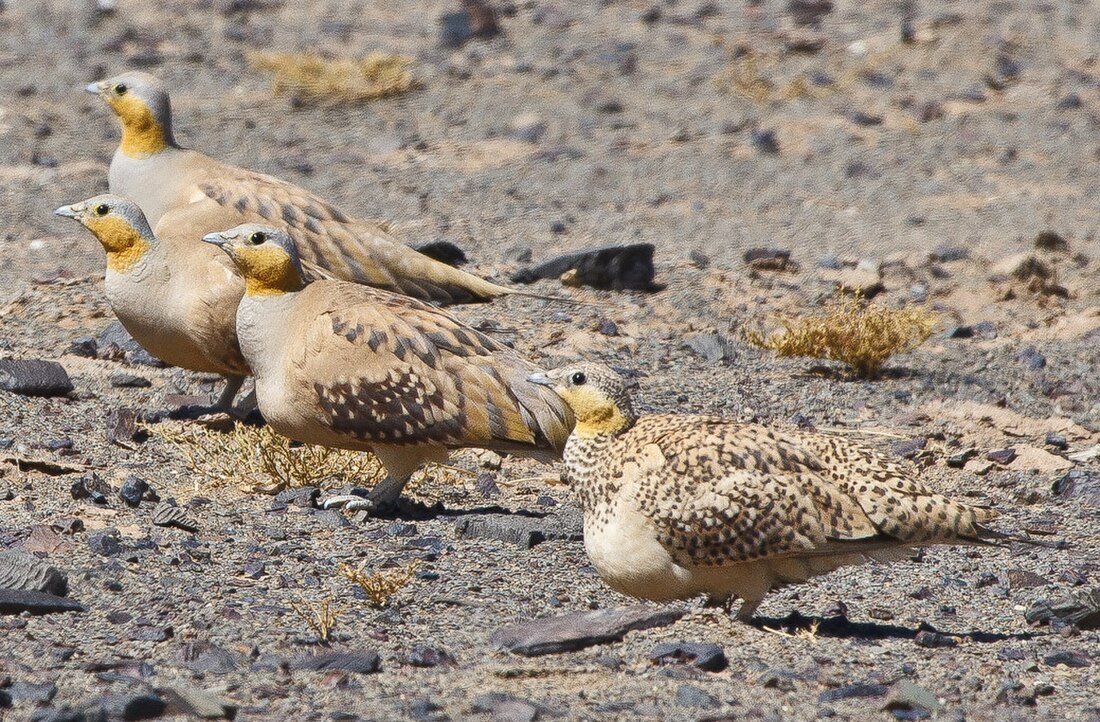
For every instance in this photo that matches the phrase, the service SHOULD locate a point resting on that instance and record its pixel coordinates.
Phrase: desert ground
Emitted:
(941, 154)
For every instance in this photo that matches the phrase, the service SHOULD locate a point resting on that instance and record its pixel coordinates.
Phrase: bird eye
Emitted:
(578, 378)
(102, 209)
(121, 89)
(257, 238)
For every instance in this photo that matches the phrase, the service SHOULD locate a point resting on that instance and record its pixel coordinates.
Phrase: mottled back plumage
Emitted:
(677, 505)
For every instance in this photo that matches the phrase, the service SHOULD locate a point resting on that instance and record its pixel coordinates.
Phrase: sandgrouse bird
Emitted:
(176, 296)
(677, 505)
(188, 194)
(354, 367)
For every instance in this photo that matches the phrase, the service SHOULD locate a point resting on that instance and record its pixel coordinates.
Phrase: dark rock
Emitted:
(1058, 441)
(22, 692)
(362, 661)
(105, 543)
(852, 691)
(515, 710)
(1067, 658)
(303, 496)
(929, 111)
(34, 377)
(62, 444)
(122, 426)
(125, 707)
(444, 252)
(909, 448)
(1051, 241)
(477, 19)
(1003, 457)
(425, 710)
(552, 635)
(169, 515)
(523, 531)
(946, 254)
(1031, 358)
(27, 572)
(769, 259)
(650, 15)
(616, 268)
(17, 601)
(691, 696)
(1080, 610)
(422, 656)
(552, 17)
(116, 344)
(134, 490)
(934, 640)
(1072, 101)
(1005, 73)
(1081, 484)
(207, 658)
(607, 327)
(960, 332)
(84, 346)
(958, 460)
(196, 703)
(866, 119)
(711, 346)
(123, 380)
(765, 141)
(909, 700)
(254, 569)
(706, 656)
(152, 634)
(486, 485)
(699, 259)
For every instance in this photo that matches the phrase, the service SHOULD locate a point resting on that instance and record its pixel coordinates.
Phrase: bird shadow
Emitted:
(795, 625)
(406, 510)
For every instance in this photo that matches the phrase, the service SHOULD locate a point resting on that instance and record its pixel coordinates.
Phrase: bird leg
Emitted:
(384, 495)
(748, 608)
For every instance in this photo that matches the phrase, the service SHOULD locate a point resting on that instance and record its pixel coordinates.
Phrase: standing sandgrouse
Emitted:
(678, 505)
(354, 367)
(176, 296)
(188, 194)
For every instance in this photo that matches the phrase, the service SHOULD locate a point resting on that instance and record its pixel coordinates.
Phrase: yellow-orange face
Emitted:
(595, 393)
(142, 106)
(265, 256)
(118, 224)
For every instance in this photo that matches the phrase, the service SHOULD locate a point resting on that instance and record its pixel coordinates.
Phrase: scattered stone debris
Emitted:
(568, 633)
(617, 268)
(34, 377)
(1080, 610)
(934, 640)
(706, 656)
(1081, 484)
(522, 530)
(770, 259)
(711, 346)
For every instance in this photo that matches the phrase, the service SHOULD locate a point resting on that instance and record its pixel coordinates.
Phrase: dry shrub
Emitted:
(321, 617)
(860, 334)
(264, 460)
(382, 585)
(339, 80)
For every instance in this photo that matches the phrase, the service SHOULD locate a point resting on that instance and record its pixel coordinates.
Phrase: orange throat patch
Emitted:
(142, 134)
(124, 245)
(267, 271)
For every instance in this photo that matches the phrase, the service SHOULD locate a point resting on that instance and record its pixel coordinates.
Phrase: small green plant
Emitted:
(860, 334)
(338, 80)
(381, 585)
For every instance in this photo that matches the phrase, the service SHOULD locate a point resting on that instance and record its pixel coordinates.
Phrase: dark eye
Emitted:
(121, 89)
(102, 209)
(257, 238)
(578, 378)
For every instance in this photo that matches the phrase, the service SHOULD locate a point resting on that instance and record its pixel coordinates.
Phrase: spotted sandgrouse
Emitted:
(678, 505)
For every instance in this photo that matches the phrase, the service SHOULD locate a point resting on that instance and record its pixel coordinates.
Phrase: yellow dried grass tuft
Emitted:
(860, 334)
(263, 460)
(338, 80)
(381, 585)
(321, 617)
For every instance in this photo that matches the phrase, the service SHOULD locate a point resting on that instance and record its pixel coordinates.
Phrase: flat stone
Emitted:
(22, 692)
(907, 696)
(17, 601)
(364, 661)
(570, 632)
(170, 515)
(1003, 457)
(521, 530)
(124, 706)
(852, 691)
(24, 571)
(710, 346)
(1017, 578)
(34, 377)
(934, 640)
(1080, 610)
(122, 426)
(205, 657)
(1083, 484)
(115, 343)
(124, 380)
(1068, 658)
(691, 696)
(196, 703)
(705, 656)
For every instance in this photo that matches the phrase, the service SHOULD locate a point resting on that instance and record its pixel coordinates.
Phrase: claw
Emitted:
(350, 502)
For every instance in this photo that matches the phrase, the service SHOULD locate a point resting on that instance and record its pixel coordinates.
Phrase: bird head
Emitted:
(597, 395)
(266, 256)
(118, 224)
(141, 103)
